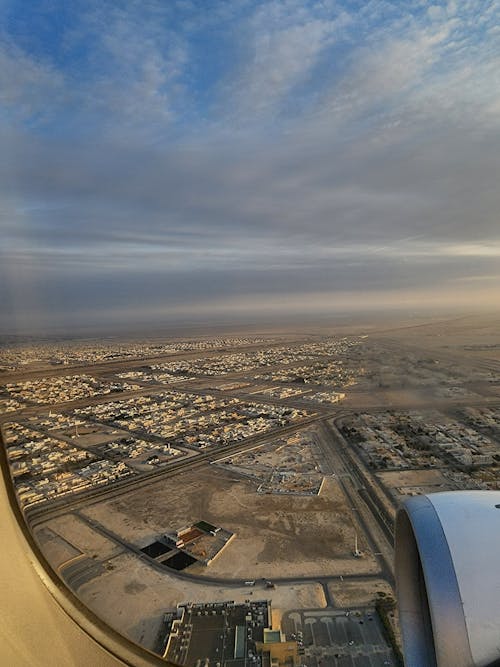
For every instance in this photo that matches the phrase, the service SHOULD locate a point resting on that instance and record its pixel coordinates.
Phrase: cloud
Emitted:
(136, 66)
(282, 43)
(28, 88)
(298, 147)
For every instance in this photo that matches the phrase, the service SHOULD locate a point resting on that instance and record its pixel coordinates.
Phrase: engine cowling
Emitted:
(448, 579)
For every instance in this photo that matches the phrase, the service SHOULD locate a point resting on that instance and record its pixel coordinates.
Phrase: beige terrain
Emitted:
(357, 593)
(276, 535)
(81, 536)
(133, 596)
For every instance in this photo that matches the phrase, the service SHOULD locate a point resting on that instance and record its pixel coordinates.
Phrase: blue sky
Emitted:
(169, 160)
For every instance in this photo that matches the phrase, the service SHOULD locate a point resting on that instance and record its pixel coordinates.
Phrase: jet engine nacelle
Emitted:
(448, 579)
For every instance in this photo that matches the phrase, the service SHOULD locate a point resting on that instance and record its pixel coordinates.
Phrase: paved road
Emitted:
(369, 486)
(379, 541)
(218, 581)
(40, 513)
(125, 363)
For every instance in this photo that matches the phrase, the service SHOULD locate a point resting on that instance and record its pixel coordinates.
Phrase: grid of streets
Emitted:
(297, 447)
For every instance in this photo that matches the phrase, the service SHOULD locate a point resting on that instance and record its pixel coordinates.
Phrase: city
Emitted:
(234, 498)
(249, 333)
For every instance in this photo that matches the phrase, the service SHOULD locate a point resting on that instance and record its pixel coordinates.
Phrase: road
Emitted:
(227, 582)
(379, 540)
(368, 499)
(42, 512)
(126, 363)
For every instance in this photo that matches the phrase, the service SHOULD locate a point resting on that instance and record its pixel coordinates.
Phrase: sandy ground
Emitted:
(55, 549)
(412, 478)
(375, 397)
(91, 436)
(132, 596)
(77, 533)
(450, 332)
(276, 535)
(358, 593)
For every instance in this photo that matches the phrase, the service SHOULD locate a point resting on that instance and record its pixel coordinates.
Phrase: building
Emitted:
(276, 651)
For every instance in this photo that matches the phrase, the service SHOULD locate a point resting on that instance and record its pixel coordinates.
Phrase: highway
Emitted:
(374, 493)
(39, 515)
(227, 582)
(44, 511)
(125, 363)
(370, 501)
(379, 539)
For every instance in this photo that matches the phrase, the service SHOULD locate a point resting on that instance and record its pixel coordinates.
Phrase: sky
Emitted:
(178, 161)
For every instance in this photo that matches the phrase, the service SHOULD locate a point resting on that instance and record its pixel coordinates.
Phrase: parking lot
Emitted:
(339, 638)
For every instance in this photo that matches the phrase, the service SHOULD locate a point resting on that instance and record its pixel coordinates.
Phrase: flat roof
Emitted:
(239, 642)
(271, 636)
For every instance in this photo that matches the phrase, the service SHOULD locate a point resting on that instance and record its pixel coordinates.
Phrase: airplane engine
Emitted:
(448, 579)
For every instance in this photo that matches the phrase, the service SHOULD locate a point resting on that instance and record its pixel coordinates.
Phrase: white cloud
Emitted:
(28, 87)
(339, 172)
(440, 67)
(281, 44)
(134, 81)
